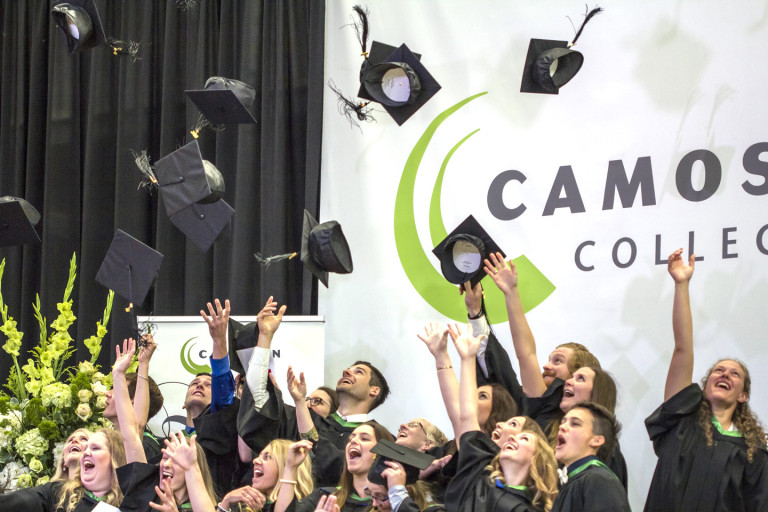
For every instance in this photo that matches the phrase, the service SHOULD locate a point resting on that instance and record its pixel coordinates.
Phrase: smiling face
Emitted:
(198, 392)
(96, 465)
(320, 402)
(557, 365)
(172, 476)
(355, 381)
(358, 451)
(505, 429)
(484, 404)
(725, 384)
(518, 450)
(414, 435)
(73, 451)
(265, 471)
(578, 388)
(575, 439)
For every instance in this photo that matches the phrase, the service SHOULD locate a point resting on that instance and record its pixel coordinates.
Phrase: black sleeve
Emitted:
(755, 484)
(619, 466)
(137, 482)
(327, 462)
(217, 435)
(668, 415)
(546, 407)
(309, 503)
(500, 370)
(275, 420)
(153, 448)
(603, 493)
(476, 450)
(41, 498)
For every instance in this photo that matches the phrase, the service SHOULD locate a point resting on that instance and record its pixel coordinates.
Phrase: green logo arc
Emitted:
(429, 283)
(186, 359)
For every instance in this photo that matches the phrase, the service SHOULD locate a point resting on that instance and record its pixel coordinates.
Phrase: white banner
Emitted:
(668, 94)
(184, 350)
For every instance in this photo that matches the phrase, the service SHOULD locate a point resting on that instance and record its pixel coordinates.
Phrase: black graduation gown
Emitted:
(138, 481)
(471, 491)
(277, 420)
(546, 409)
(693, 476)
(500, 371)
(42, 498)
(217, 435)
(595, 489)
(308, 504)
(153, 447)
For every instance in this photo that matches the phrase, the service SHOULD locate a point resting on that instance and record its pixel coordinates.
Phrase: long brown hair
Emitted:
(346, 483)
(72, 491)
(503, 407)
(745, 420)
(580, 358)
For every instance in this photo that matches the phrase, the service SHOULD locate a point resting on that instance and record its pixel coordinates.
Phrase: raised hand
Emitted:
(267, 319)
(248, 495)
(327, 503)
(503, 274)
(297, 387)
(473, 297)
(436, 465)
(123, 358)
(217, 321)
(167, 500)
(297, 452)
(466, 344)
(435, 338)
(183, 452)
(395, 474)
(677, 268)
(147, 348)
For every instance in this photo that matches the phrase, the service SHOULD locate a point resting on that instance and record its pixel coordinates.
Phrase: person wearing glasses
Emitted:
(323, 401)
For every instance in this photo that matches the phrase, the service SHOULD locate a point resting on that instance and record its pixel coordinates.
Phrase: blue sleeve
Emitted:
(222, 384)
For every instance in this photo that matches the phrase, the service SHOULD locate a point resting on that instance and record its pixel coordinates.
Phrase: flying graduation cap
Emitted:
(462, 252)
(192, 191)
(324, 249)
(18, 219)
(242, 339)
(551, 64)
(224, 101)
(412, 460)
(128, 269)
(81, 24)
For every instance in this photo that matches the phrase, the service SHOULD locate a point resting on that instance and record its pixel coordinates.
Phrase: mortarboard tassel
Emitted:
(201, 123)
(149, 179)
(125, 48)
(589, 16)
(266, 262)
(347, 107)
(361, 28)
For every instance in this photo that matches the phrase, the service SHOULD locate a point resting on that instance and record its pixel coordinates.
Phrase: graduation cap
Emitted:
(396, 78)
(224, 101)
(324, 249)
(18, 219)
(81, 24)
(412, 460)
(550, 64)
(242, 339)
(204, 223)
(462, 252)
(128, 269)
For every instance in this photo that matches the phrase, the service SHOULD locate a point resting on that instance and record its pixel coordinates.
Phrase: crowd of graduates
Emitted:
(546, 440)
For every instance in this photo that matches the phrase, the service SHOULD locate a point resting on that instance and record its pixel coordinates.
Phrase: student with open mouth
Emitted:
(515, 470)
(711, 446)
(93, 479)
(181, 480)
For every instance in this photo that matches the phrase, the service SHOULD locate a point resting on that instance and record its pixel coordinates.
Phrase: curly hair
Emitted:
(542, 476)
(745, 420)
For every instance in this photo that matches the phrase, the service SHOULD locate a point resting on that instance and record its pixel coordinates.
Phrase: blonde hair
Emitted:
(542, 476)
(72, 491)
(304, 483)
(62, 472)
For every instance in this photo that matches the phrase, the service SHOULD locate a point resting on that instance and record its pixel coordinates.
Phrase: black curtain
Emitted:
(68, 124)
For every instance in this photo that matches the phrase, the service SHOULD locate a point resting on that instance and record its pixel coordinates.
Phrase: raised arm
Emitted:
(467, 346)
(436, 340)
(505, 277)
(297, 387)
(129, 429)
(680, 373)
(258, 366)
(184, 453)
(296, 454)
(141, 395)
(222, 382)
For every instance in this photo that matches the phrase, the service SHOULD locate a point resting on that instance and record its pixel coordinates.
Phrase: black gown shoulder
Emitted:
(595, 489)
(690, 475)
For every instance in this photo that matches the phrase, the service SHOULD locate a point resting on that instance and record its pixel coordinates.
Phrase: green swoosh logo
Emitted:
(186, 359)
(428, 282)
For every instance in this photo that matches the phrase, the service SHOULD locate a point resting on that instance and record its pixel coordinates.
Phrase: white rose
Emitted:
(99, 389)
(84, 395)
(101, 402)
(83, 411)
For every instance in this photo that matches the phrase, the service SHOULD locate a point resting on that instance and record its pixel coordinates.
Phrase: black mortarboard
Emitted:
(412, 460)
(399, 81)
(185, 178)
(242, 340)
(225, 101)
(129, 267)
(80, 22)
(324, 248)
(204, 223)
(462, 252)
(539, 74)
(18, 219)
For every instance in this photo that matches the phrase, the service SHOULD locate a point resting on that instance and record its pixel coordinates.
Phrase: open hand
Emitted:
(124, 357)
(677, 268)
(466, 345)
(503, 274)
(267, 319)
(435, 338)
